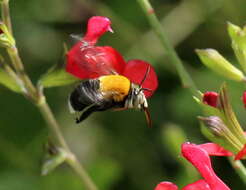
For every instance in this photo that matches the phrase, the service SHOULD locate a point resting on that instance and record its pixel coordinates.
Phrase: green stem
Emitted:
(38, 99)
(239, 168)
(185, 77)
(55, 129)
(19, 68)
(171, 53)
(52, 123)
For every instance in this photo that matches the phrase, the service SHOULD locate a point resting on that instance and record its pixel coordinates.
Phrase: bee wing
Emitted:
(88, 62)
(138, 72)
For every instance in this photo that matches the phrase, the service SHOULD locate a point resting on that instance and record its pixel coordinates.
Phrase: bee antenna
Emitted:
(145, 75)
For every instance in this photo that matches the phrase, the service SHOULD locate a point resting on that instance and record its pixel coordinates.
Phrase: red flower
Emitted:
(87, 61)
(198, 156)
(210, 98)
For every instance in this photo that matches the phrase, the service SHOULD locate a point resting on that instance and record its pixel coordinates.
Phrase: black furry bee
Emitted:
(108, 92)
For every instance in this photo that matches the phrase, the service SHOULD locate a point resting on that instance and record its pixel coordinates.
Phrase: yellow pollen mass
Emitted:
(115, 86)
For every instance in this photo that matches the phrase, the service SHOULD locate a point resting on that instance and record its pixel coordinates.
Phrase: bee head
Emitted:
(137, 99)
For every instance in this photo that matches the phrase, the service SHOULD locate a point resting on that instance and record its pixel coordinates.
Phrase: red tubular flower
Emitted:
(87, 61)
(136, 69)
(215, 150)
(210, 98)
(198, 156)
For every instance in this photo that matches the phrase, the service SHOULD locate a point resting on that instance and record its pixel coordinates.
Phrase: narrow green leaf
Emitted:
(231, 119)
(216, 62)
(57, 76)
(238, 39)
(9, 82)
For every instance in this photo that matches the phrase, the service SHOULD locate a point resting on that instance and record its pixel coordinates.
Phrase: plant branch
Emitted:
(19, 68)
(55, 129)
(171, 53)
(37, 97)
(239, 168)
(185, 77)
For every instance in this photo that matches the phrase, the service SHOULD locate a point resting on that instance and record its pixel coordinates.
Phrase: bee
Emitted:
(108, 92)
(108, 81)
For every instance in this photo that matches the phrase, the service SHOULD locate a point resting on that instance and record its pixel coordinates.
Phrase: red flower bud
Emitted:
(210, 98)
(166, 186)
(244, 99)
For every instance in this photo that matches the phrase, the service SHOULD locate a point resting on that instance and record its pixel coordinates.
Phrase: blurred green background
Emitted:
(117, 148)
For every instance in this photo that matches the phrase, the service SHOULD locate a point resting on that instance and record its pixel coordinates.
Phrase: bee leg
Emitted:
(86, 114)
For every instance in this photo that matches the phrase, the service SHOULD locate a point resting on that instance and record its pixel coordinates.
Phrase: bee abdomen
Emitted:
(84, 95)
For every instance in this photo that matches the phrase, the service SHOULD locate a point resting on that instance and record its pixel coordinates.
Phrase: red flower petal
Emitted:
(135, 70)
(244, 99)
(241, 154)
(198, 185)
(210, 98)
(199, 158)
(97, 26)
(166, 186)
(215, 150)
(93, 61)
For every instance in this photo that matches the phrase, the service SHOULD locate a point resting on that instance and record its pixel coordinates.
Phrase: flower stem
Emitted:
(239, 168)
(37, 97)
(171, 53)
(55, 129)
(19, 68)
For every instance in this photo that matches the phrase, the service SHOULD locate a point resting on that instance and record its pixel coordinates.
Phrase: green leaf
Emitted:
(57, 76)
(216, 62)
(9, 82)
(238, 39)
(6, 39)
